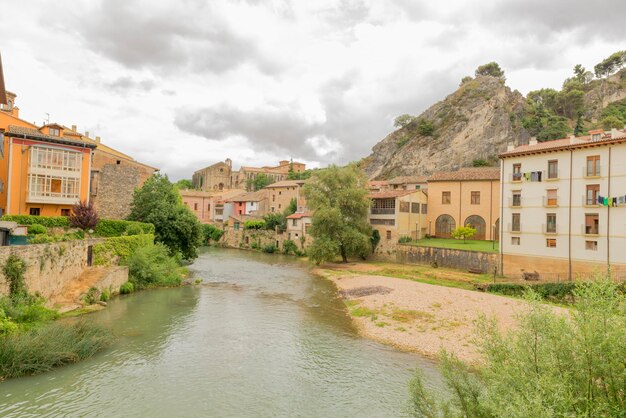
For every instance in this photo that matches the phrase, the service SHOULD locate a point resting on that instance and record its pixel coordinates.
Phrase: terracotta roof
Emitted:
(284, 183)
(467, 174)
(409, 179)
(567, 143)
(36, 135)
(194, 193)
(388, 194)
(373, 183)
(249, 197)
(300, 215)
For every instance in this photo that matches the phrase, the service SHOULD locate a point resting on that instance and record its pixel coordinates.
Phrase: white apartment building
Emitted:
(563, 206)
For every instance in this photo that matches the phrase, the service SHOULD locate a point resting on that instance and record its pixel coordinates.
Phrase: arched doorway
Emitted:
(444, 225)
(497, 230)
(478, 223)
(221, 186)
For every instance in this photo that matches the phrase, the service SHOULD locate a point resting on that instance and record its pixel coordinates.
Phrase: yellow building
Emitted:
(469, 196)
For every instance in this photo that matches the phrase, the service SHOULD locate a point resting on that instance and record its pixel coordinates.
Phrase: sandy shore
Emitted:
(421, 317)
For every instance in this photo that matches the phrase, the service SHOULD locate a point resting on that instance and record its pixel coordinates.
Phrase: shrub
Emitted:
(404, 239)
(464, 232)
(47, 221)
(105, 295)
(127, 288)
(271, 248)
(255, 245)
(36, 229)
(117, 228)
(558, 292)
(92, 296)
(211, 233)
(375, 239)
(254, 225)
(119, 248)
(273, 220)
(55, 344)
(14, 270)
(6, 325)
(289, 247)
(153, 266)
(83, 216)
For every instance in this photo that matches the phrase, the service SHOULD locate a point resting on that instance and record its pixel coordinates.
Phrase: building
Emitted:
(252, 203)
(209, 207)
(281, 193)
(408, 183)
(298, 225)
(221, 176)
(398, 213)
(563, 204)
(469, 196)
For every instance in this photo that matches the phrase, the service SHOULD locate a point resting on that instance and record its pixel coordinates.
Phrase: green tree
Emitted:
(375, 239)
(479, 162)
(260, 181)
(466, 79)
(580, 125)
(425, 127)
(464, 232)
(299, 175)
(275, 219)
(552, 365)
(158, 203)
(491, 69)
(338, 197)
(292, 207)
(184, 184)
(611, 122)
(610, 64)
(403, 120)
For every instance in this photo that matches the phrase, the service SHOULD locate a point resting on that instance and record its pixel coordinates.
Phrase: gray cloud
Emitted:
(126, 84)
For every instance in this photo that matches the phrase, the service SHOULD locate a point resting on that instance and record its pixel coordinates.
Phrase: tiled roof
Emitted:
(467, 174)
(300, 215)
(284, 183)
(35, 134)
(388, 194)
(249, 197)
(567, 143)
(408, 179)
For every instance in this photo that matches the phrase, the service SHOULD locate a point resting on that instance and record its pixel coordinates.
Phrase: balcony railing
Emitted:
(590, 172)
(550, 228)
(550, 202)
(515, 202)
(52, 197)
(589, 202)
(515, 228)
(383, 211)
(590, 230)
(516, 176)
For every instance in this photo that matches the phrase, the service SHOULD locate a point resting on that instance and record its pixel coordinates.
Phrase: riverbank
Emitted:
(416, 316)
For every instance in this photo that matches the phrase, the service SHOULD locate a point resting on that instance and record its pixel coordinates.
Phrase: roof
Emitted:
(300, 215)
(8, 225)
(409, 179)
(30, 133)
(284, 183)
(391, 194)
(249, 197)
(567, 143)
(194, 193)
(467, 174)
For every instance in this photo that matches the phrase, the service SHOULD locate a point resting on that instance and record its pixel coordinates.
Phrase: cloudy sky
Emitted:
(182, 84)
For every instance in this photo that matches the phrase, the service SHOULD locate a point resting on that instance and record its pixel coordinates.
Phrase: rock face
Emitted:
(475, 122)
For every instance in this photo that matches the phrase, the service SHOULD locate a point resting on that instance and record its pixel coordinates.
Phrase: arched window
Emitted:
(444, 226)
(497, 230)
(478, 223)
(221, 186)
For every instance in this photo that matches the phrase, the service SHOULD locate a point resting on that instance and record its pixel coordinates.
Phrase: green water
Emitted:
(260, 338)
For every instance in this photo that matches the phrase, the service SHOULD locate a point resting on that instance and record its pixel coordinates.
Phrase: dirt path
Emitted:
(421, 317)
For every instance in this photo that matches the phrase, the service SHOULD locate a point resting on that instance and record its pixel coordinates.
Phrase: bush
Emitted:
(36, 229)
(14, 270)
(153, 266)
(289, 247)
(92, 296)
(119, 248)
(273, 220)
(254, 225)
(255, 245)
(127, 288)
(105, 295)
(56, 344)
(271, 248)
(557, 292)
(211, 233)
(47, 221)
(6, 325)
(404, 239)
(118, 228)
(83, 216)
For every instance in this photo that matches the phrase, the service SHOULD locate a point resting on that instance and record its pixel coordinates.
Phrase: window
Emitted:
(273, 208)
(553, 169)
(390, 222)
(415, 208)
(208, 207)
(55, 159)
(475, 199)
(591, 245)
(34, 211)
(404, 207)
(517, 198)
(515, 222)
(388, 235)
(236, 226)
(195, 206)
(279, 206)
(551, 199)
(592, 224)
(551, 243)
(445, 198)
(593, 166)
(592, 194)
(515, 240)
(273, 198)
(294, 222)
(118, 162)
(55, 132)
(517, 172)
(65, 212)
(551, 223)
(383, 207)
(424, 208)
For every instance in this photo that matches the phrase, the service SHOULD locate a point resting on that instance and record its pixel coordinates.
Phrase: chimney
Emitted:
(533, 140)
(614, 133)
(74, 128)
(510, 147)
(87, 134)
(97, 139)
(572, 139)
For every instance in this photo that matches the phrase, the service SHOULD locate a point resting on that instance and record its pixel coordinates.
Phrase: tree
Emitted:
(83, 216)
(184, 184)
(292, 207)
(338, 197)
(375, 239)
(159, 203)
(580, 125)
(466, 79)
(611, 122)
(610, 65)
(403, 120)
(260, 181)
(464, 232)
(551, 365)
(491, 69)
(275, 219)
(479, 162)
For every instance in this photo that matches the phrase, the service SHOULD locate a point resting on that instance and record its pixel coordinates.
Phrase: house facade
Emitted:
(469, 196)
(209, 207)
(298, 228)
(564, 206)
(396, 214)
(253, 203)
(280, 195)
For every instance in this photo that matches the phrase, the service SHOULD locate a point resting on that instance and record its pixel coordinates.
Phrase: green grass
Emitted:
(455, 244)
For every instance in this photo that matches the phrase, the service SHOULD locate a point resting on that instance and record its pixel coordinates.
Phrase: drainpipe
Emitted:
(569, 220)
(501, 216)
(19, 207)
(9, 176)
(608, 217)
(493, 238)
(460, 200)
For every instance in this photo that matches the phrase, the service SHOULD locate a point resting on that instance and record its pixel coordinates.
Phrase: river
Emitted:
(261, 337)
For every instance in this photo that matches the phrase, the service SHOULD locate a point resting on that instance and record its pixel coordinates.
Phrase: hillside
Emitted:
(483, 115)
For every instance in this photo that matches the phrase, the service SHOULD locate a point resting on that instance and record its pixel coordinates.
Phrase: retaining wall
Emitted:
(445, 257)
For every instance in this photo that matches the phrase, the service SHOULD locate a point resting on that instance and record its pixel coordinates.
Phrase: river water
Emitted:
(261, 337)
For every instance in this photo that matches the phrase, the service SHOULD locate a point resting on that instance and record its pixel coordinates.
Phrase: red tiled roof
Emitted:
(300, 215)
(409, 179)
(284, 183)
(249, 197)
(467, 174)
(388, 194)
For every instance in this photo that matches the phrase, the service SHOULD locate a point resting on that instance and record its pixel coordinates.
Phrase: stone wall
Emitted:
(242, 238)
(444, 257)
(112, 192)
(49, 266)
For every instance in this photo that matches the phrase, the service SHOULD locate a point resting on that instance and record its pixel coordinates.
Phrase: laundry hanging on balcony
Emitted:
(533, 176)
(611, 201)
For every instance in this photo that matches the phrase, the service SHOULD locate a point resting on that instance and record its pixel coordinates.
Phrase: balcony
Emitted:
(590, 230)
(52, 189)
(589, 201)
(515, 202)
(514, 228)
(550, 229)
(516, 177)
(550, 202)
(383, 211)
(52, 197)
(591, 172)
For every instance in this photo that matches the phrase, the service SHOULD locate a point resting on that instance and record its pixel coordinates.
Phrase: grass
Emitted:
(455, 244)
